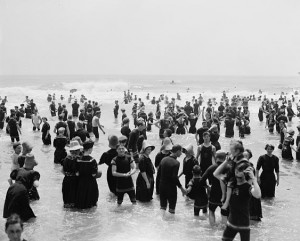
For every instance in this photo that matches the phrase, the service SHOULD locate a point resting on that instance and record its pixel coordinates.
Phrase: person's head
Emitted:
(167, 133)
(27, 147)
(236, 148)
(196, 171)
(177, 150)
(61, 131)
(121, 150)
(122, 140)
(17, 148)
(14, 228)
(125, 121)
(79, 125)
(220, 156)
(206, 137)
(88, 146)
(140, 125)
(269, 148)
(30, 161)
(291, 132)
(61, 117)
(240, 168)
(147, 148)
(75, 147)
(44, 119)
(98, 113)
(70, 117)
(204, 124)
(188, 150)
(247, 154)
(113, 141)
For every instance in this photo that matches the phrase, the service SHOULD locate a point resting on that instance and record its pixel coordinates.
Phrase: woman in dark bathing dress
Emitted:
(60, 143)
(267, 181)
(46, 137)
(17, 198)
(70, 182)
(87, 191)
(145, 179)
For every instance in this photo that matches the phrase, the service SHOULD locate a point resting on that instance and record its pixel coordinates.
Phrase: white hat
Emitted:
(147, 145)
(74, 146)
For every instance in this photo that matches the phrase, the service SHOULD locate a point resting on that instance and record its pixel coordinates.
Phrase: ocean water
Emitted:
(143, 221)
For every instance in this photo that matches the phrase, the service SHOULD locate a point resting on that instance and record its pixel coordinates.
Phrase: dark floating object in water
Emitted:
(73, 90)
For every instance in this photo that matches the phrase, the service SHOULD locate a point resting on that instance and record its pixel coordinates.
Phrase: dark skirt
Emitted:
(157, 180)
(17, 201)
(192, 130)
(46, 141)
(144, 194)
(87, 192)
(33, 194)
(59, 155)
(69, 190)
(180, 131)
(255, 209)
(267, 185)
(111, 180)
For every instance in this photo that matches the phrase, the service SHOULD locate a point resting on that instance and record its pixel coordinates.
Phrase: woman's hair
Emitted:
(45, 118)
(269, 146)
(238, 145)
(249, 152)
(13, 219)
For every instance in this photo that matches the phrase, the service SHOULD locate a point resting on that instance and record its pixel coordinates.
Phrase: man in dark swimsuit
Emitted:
(169, 180)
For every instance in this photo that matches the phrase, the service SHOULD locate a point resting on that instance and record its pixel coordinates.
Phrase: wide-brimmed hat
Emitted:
(74, 145)
(61, 130)
(189, 149)
(147, 145)
(167, 144)
(30, 161)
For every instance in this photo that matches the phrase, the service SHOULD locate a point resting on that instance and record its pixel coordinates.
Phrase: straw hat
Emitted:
(74, 145)
(61, 130)
(147, 145)
(30, 161)
(167, 145)
(189, 149)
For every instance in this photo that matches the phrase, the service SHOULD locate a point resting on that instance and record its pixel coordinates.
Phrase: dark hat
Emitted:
(88, 145)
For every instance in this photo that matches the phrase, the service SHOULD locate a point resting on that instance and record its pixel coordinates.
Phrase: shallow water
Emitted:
(141, 221)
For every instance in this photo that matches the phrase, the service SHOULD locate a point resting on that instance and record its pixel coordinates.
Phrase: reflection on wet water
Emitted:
(145, 221)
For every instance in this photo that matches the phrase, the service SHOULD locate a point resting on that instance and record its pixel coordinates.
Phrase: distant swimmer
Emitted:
(172, 82)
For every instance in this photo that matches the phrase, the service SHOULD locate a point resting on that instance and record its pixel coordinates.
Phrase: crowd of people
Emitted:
(213, 177)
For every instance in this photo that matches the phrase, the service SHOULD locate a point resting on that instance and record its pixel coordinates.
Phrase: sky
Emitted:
(150, 37)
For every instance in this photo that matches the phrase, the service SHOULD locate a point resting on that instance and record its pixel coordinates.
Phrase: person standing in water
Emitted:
(14, 228)
(96, 124)
(36, 120)
(169, 180)
(239, 215)
(107, 158)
